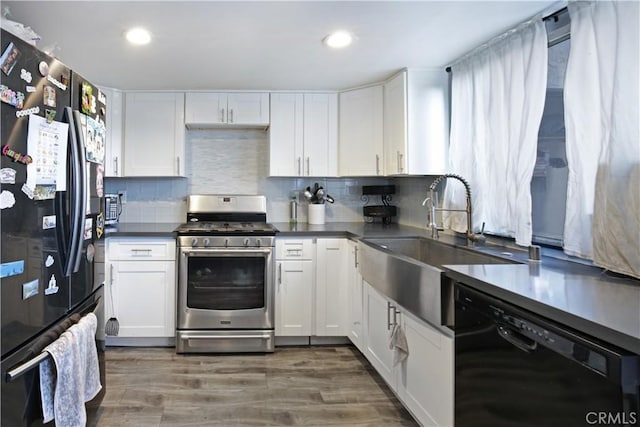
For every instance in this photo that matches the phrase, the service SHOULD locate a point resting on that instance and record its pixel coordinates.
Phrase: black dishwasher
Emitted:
(514, 368)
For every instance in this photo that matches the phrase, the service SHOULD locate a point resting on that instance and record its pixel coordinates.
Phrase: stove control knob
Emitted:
(246, 242)
(194, 242)
(258, 243)
(206, 242)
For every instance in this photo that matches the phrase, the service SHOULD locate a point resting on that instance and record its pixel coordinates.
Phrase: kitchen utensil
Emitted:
(320, 194)
(328, 198)
(112, 326)
(308, 194)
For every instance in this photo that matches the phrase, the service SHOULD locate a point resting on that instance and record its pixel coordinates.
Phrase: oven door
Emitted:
(225, 288)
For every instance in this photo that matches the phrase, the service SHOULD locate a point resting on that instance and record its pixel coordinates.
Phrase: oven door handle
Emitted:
(218, 251)
(222, 337)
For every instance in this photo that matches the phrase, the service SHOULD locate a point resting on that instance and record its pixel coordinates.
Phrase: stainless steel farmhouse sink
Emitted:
(409, 270)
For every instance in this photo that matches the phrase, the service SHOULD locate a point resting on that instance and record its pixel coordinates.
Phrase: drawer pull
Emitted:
(141, 252)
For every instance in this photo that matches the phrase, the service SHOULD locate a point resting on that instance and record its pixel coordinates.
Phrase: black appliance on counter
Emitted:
(384, 211)
(51, 216)
(515, 368)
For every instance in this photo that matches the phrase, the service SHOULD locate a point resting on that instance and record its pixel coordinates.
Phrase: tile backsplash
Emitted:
(236, 162)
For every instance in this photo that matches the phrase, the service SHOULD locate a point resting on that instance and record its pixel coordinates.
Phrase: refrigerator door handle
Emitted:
(68, 238)
(75, 193)
(82, 194)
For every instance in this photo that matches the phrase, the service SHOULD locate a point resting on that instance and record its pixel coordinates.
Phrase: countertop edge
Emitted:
(142, 229)
(579, 324)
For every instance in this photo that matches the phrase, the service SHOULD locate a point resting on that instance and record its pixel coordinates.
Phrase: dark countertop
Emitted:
(142, 229)
(347, 229)
(579, 296)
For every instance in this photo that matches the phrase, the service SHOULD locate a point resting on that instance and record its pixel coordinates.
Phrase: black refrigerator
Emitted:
(51, 187)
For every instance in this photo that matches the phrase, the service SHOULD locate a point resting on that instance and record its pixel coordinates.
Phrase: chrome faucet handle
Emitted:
(431, 217)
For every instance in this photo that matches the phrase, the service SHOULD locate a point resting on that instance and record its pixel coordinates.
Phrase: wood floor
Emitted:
(310, 386)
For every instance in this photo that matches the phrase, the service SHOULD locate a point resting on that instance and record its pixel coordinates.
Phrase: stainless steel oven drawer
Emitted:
(216, 341)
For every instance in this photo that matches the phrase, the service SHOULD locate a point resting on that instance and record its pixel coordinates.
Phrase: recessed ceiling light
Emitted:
(138, 36)
(338, 39)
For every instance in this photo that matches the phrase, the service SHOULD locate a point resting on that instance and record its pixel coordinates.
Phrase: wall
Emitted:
(150, 199)
(236, 162)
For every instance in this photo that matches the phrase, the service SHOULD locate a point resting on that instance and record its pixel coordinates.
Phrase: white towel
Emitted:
(76, 377)
(398, 343)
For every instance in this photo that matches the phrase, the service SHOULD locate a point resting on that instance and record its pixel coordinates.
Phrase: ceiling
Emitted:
(268, 45)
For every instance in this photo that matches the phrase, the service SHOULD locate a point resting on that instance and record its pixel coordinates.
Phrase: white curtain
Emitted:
(602, 122)
(498, 94)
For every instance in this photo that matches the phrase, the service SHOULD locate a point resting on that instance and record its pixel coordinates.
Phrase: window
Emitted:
(549, 182)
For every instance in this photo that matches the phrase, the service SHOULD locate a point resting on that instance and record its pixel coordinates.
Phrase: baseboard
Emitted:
(304, 340)
(141, 342)
(329, 340)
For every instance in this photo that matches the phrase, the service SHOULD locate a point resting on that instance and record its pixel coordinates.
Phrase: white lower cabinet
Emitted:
(377, 325)
(331, 288)
(294, 285)
(141, 282)
(354, 281)
(311, 291)
(424, 380)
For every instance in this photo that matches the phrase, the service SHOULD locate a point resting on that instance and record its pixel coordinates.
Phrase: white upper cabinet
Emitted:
(286, 134)
(395, 125)
(416, 122)
(303, 135)
(240, 109)
(113, 146)
(320, 134)
(154, 134)
(361, 132)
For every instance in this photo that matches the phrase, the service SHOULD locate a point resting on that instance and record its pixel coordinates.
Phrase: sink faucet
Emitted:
(471, 237)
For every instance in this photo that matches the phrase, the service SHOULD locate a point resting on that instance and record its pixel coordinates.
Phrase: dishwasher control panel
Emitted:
(516, 327)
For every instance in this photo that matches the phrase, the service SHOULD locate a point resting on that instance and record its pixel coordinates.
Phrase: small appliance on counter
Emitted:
(112, 208)
(384, 211)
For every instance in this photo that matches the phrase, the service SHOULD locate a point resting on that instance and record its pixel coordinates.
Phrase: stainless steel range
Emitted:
(225, 276)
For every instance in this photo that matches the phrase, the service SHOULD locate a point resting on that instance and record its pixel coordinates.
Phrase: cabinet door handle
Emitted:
(356, 257)
(299, 163)
(111, 276)
(389, 306)
(308, 169)
(398, 161)
(280, 274)
(222, 115)
(377, 164)
(178, 163)
(231, 115)
(401, 163)
(115, 165)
